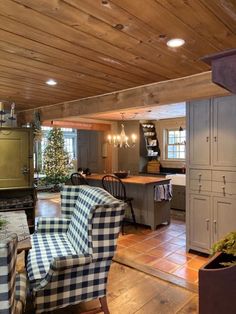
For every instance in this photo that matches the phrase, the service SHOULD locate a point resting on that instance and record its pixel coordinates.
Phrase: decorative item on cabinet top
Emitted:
(6, 116)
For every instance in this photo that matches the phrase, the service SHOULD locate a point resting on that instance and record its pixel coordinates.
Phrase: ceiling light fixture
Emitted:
(122, 140)
(51, 82)
(175, 42)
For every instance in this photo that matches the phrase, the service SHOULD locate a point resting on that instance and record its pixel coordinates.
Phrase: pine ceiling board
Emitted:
(224, 11)
(202, 21)
(35, 88)
(53, 71)
(61, 62)
(92, 27)
(38, 51)
(39, 21)
(27, 92)
(119, 68)
(22, 55)
(61, 87)
(164, 22)
(115, 15)
(29, 73)
(20, 97)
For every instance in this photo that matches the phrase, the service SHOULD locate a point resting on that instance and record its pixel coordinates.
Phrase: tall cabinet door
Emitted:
(224, 220)
(15, 158)
(224, 130)
(199, 133)
(199, 217)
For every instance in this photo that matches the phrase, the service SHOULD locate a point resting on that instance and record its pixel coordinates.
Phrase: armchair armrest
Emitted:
(64, 262)
(48, 225)
(59, 264)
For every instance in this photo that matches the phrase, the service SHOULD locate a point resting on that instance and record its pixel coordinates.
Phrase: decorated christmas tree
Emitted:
(56, 159)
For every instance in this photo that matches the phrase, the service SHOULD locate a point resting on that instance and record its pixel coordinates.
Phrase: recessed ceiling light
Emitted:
(51, 82)
(175, 42)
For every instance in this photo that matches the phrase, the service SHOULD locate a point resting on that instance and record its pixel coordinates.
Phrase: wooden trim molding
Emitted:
(165, 92)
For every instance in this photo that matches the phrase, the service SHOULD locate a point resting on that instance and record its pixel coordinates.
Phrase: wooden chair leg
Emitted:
(104, 306)
(132, 213)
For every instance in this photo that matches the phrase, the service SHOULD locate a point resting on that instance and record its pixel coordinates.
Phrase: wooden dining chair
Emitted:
(78, 179)
(116, 187)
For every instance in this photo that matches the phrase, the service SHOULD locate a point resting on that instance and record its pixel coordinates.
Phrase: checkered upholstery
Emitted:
(69, 195)
(47, 224)
(12, 285)
(69, 266)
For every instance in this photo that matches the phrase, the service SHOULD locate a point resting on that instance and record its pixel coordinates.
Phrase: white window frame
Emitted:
(177, 145)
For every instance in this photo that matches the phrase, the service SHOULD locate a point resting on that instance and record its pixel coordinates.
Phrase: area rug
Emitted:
(161, 253)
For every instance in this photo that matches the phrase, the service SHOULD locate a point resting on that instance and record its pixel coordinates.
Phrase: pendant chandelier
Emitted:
(121, 140)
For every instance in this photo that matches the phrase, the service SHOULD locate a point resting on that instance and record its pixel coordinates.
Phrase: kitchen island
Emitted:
(141, 189)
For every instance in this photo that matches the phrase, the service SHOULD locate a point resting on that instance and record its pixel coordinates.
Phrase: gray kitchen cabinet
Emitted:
(200, 229)
(199, 133)
(178, 197)
(224, 131)
(211, 171)
(224, 217)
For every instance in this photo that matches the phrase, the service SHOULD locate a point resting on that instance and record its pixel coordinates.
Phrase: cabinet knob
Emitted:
(223, 188)
(207, 138)
(215, 138)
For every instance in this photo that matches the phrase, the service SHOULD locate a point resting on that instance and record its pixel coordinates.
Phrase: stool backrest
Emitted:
(78, 179)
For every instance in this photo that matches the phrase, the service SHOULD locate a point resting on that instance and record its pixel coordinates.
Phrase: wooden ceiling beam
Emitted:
(78, 125)
(166, 92)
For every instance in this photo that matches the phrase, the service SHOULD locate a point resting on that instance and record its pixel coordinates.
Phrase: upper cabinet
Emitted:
(16, 157)
(212, 130)
(199, 133)
(224, 130)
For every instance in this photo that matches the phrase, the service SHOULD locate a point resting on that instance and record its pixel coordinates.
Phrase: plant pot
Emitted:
(217, 286)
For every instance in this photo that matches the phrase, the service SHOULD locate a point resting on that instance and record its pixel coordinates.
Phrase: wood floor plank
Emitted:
(191, 307)
(166, 302)
(140, 293)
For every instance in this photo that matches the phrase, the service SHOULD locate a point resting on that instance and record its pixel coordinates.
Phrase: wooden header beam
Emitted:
(166, 92)
(78, 125)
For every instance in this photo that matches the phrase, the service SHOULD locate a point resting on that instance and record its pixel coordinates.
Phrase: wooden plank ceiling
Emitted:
(93, 47)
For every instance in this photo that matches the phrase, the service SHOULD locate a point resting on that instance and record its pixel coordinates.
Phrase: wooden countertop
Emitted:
(133, 179)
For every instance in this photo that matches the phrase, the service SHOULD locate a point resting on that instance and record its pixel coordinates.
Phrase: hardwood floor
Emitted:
(129, 290)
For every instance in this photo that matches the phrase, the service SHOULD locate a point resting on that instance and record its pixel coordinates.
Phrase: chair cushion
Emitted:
(45, 247)
(80, 225)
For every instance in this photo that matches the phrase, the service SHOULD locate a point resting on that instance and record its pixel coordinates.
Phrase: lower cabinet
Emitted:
(224, 217)
(210, 219)
(200, 224)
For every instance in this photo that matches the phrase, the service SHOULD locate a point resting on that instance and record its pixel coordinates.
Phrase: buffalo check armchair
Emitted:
(12, 285)
(70, 257)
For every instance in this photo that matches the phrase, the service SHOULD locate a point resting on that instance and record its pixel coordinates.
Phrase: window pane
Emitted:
(170, 155)
(171, 140)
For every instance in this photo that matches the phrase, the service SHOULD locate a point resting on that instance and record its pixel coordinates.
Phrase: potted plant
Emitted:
(217, 278)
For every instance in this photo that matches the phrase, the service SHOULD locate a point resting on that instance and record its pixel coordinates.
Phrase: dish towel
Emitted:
(163, 192)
